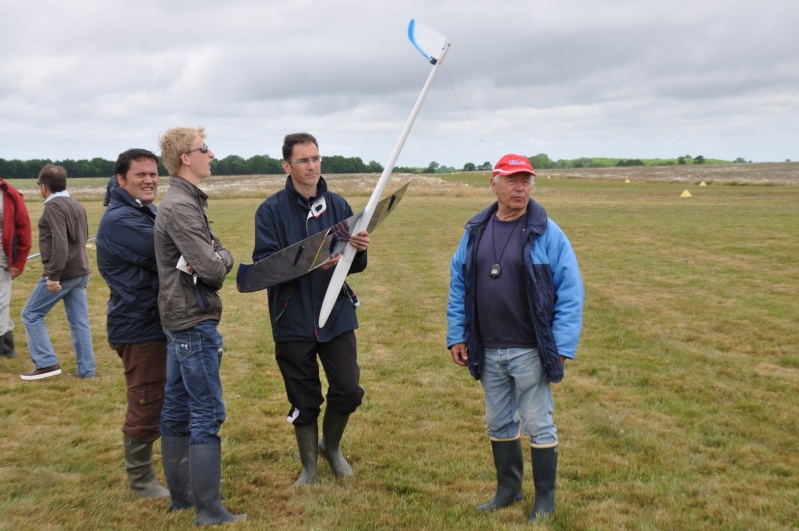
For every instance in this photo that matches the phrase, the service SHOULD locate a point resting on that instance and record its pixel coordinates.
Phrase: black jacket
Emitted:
(126, 260)
(285, 219)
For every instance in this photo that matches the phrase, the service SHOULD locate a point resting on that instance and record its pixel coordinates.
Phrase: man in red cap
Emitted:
(514, 316)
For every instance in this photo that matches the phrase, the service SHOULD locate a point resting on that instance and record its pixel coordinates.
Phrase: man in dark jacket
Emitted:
(126, 259)
(15, 226)
(63, 231)
(192, 265)
(304, 208)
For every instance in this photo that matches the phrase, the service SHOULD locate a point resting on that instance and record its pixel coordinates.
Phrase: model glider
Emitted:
(433, 47)
(305, 256)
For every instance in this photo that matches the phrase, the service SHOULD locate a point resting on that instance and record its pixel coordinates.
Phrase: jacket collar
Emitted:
(189, 188)
(121, 196)
(321, 188)
(536, 217)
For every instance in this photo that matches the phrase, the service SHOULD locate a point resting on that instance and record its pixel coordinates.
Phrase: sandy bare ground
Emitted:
(776, 173)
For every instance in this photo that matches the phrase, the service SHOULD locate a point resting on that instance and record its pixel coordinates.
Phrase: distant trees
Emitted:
(230, 165)
(29, 169)
(687, 159)
(432, 167)
(266, 165)
(541, 161)
(630, 162)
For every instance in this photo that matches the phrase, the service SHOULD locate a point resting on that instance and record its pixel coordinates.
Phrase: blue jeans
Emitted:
(193, 405)
(517, 395)
(40, 302)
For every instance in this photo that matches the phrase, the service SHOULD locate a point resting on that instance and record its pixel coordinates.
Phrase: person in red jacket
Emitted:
(15, 225)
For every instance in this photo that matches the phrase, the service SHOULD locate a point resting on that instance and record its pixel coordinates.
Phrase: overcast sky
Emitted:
(569, 78)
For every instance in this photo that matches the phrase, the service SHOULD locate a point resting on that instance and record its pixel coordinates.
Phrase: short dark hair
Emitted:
(53, 177)
(289, 141)
(125, 158)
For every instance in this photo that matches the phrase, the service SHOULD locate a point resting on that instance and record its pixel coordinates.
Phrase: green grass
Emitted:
(678, 413)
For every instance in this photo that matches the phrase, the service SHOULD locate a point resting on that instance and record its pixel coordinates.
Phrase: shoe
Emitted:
(38, 374)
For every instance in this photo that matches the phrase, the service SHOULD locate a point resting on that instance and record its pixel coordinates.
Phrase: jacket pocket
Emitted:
(281, 305)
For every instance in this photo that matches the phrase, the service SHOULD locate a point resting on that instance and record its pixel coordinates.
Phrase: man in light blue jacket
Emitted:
(514, 316)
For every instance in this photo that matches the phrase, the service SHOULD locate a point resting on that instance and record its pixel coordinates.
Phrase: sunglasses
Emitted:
(203, 149)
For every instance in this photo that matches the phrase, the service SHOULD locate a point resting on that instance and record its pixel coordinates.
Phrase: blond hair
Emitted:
(176, 142)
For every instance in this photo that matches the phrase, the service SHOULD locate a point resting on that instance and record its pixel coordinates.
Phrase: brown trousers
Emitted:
(145, 377)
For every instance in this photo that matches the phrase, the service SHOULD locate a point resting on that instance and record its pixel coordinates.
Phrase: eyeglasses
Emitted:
(203, 149)
(305, 162)
(39, 183)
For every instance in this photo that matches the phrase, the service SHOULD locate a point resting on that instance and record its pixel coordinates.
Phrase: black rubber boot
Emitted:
(175, 456)
(509, 462)
(545, 467)
(7, 345)
(333, 427)
(139, 466)
(206, 474)
(308, 445)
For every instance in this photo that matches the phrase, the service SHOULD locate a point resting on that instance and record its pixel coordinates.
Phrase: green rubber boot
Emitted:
(509, 462)
(333, 427)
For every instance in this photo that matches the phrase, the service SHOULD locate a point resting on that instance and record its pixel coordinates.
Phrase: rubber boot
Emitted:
(545, 467)
(333, 427)
(139, 465)
(509, 462)
(308, 445)
(7, 345)
(175, 456)
(206, 473)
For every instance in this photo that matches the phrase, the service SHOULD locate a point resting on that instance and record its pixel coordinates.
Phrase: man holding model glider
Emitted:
(306, 207)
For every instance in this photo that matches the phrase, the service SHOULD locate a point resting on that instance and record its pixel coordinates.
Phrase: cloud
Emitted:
(569, 78)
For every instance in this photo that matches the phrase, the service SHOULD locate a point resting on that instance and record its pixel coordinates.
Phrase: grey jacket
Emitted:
(182, 229)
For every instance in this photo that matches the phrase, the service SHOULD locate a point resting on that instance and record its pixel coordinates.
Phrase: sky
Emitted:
(569, 78)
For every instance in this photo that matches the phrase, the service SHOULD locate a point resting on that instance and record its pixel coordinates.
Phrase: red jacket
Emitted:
(16, 227)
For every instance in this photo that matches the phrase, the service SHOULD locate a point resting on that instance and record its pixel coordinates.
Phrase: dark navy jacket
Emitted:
(285, 219)
(126, 259)
(554, 291)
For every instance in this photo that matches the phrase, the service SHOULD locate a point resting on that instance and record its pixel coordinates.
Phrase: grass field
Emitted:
(678, 413)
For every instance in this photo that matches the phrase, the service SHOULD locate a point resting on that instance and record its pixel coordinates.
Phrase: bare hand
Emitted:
(330, 263)
(460, 354)
(54, 285)
(360, 241)
(14, 272)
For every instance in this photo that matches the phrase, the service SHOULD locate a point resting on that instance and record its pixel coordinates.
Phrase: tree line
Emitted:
(266, 165)
(230, 165)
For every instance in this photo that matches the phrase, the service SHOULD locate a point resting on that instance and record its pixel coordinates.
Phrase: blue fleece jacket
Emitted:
(555, 291)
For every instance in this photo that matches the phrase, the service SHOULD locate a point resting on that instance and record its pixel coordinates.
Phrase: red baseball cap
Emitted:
(510, 164)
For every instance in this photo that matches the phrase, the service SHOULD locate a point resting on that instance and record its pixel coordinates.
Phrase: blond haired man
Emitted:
(192, 265)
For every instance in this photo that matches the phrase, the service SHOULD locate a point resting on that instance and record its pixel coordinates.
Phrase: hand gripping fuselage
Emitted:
(308, 254)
